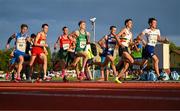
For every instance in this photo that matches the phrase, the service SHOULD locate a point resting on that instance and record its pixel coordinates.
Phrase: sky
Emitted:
(59, 13)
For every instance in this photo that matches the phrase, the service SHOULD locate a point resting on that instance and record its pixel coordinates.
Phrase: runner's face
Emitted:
(45, 29)
(83, 26)
(113, 31)
(153, 24)
(129, 24)
(66, 31)
(32, 39)
(24, 30)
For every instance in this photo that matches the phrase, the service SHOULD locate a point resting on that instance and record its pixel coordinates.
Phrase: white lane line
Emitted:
(93, 96)
(96, 89)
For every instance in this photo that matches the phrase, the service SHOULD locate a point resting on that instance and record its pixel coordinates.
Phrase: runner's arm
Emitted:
(9, 40)
(121, 32)
(45, 51)
(163, 40)
(28, 39)
(140, 37)
(37, 44)
(119, 35)
(131, 41)
(102, 40)
(88, 38)
(75, 34)
(55, 45)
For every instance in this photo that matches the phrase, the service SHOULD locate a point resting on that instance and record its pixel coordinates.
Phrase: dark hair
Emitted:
(33, 35)
(43, 25)
(150, 20)
(127, 20)
(80, 22)
(24, 25)
(64, 28)
(111, 27)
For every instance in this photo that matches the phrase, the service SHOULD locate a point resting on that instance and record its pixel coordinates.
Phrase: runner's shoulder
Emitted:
(88, 33)
(39, 33)
(76, 32)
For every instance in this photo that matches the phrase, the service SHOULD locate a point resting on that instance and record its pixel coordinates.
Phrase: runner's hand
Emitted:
(122, 46)
(166, 40)
(7, 46)
(45, 45)
(12, 54)
(55, 46)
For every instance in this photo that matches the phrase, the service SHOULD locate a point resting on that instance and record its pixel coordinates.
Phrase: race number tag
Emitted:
(83, 44)
(111, 46)
(65, 46)
(43, 42)
(153, 40)
(21, 44)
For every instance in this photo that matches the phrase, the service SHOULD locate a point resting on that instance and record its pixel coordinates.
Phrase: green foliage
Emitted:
(172, 46)
(4, 59)
(49, 59)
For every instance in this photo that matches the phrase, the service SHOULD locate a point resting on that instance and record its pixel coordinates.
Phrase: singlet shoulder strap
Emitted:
(81, 33)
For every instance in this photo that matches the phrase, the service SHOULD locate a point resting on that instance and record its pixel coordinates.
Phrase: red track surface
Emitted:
(89, 96)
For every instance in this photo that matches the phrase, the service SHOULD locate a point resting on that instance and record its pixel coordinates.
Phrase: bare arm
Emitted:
(88, 38)
(131, 41)
(75, 34)
(28, 39)
(163, 40)
(121, 32)
(101, 41)
(140, 36)
(45, 51)
(55, 45)
(119, 35)
(37, 44)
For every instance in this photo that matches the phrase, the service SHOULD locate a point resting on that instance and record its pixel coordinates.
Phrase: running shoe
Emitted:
(117, 80)
(161, 77)
(82, 74)
(7, 76)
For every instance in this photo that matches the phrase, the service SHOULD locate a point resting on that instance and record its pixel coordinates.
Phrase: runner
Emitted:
(39, 49)
(27, 57)
(153, 36)
(124, 42)
(65, 47)
(92, 52)
(109, 51)
(20, 48)
(103, 46)
(82, 39)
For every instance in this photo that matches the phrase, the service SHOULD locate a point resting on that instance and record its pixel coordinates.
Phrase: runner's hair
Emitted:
(151, 20)
(24, 25)
(127, 20)
(43, 25)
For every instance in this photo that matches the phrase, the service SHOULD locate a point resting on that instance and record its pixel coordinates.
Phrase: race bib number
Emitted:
(153, 40)
(21, 45)
(111, 46)
(43, 42)
(65, 46)
(82, 44)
